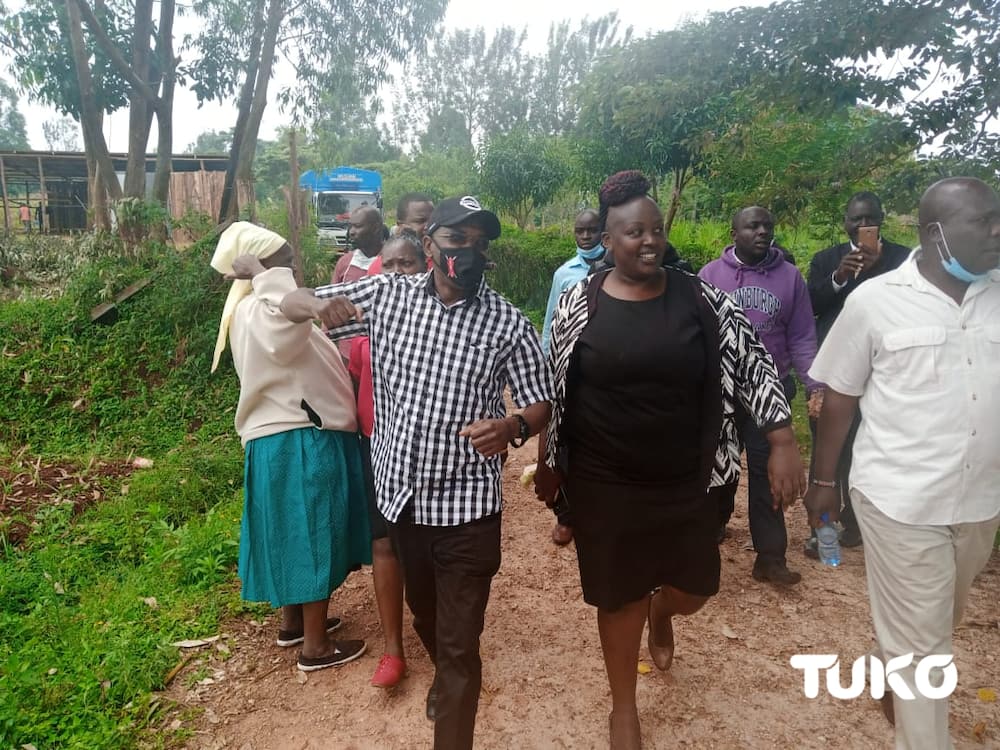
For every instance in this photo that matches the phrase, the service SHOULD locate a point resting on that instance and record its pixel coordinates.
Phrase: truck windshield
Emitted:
(337, 207)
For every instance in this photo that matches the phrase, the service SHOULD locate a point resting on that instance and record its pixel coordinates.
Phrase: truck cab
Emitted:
(335, 194)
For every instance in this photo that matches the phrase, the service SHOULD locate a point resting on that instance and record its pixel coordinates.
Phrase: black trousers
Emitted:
(447, 572)
(767, 526)
(842, 477)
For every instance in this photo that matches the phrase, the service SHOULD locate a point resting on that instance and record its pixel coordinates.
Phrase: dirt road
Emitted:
(731, 685)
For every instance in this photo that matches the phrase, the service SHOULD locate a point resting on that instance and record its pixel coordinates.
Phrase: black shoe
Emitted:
(432, 697)
(343, 652)
(288, 638)
(811, 548)
(850, 536)
(774, 571)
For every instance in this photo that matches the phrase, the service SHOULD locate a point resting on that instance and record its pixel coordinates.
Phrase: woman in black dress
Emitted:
(649, 364)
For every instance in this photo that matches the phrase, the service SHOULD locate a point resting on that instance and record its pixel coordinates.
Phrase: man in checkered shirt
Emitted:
(444, 346)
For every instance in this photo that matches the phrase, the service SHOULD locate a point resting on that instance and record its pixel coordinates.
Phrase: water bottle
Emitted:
(828, 542)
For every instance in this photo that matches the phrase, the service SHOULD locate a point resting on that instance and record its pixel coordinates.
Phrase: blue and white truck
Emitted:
(336, 193)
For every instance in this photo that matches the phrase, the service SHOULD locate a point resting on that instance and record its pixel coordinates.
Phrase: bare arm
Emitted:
(834, 424)
(784, 467)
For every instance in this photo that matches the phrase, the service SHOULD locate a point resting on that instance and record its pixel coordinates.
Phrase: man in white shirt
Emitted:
(918, 349)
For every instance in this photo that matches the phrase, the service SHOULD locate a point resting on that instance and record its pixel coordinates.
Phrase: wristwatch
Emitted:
(524, 432)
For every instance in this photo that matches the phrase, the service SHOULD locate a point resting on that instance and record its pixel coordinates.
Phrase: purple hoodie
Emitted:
(775, 298)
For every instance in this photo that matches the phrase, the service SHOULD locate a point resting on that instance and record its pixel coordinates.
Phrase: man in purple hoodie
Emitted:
(774, 296)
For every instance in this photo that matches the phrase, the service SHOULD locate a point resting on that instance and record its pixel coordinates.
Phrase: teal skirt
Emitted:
(305, 516)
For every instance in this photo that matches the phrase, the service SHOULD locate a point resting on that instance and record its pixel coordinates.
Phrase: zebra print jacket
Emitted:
(738, 367)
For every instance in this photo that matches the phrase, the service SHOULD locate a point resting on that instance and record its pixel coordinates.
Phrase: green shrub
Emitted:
(196, 225)
(525, 262)
(139, 221)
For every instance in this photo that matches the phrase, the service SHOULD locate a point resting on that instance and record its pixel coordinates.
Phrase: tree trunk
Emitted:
(248, 146)
(229, 209)
(105, 181)
(680, 180)
(139, 105)
(293, 201)
(165, 104)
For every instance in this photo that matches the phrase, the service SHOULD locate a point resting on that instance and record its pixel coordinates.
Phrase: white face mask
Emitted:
(951, 264)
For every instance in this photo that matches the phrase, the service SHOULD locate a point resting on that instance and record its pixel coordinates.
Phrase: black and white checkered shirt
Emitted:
(436, 369)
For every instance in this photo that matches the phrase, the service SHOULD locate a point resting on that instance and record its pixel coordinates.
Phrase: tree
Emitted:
(346, 131)
(236, 53)
(800, 165)
(561, 69)
(211, 142)
(101, 173)
(271, 162)
(13, 135)
(440, 174)
(474, 85)
(901, 183)
(660, 101)
(61, 134)
(152, 78)
(446, 131)
(521, 171)
(945, 83)
(653, 104)
(468, 86)
(76, 58)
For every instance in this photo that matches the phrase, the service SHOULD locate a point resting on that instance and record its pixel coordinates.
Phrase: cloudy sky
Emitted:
(189, 120)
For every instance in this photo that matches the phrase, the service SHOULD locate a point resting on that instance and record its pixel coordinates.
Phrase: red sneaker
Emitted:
(389, 672)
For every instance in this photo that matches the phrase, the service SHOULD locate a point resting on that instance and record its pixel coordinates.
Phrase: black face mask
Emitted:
(463, 265)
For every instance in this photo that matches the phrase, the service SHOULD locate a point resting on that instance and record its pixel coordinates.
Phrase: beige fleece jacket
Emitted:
(283, 364)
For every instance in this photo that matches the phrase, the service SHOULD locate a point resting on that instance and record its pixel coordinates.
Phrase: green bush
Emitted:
(195, 224)
(525, 262)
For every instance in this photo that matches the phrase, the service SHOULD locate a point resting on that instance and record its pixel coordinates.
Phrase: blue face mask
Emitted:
(595, 253)
(951, 264)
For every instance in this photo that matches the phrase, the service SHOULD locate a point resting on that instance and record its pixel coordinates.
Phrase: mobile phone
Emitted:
(561, 505)
(868, 237)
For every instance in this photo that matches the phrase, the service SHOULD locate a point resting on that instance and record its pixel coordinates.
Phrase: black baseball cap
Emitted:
(454, 211)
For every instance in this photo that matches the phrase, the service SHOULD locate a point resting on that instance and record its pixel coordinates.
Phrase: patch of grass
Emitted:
(88, 610)
(90, 601)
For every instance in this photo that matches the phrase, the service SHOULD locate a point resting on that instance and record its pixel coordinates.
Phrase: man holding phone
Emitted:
(834, 274)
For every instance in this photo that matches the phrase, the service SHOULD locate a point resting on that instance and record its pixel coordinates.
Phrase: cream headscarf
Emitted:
(241, 238)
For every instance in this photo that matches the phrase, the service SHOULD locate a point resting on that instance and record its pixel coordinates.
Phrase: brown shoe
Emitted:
(624, 731)
(660, 640)
(562, 535)
(774, 571)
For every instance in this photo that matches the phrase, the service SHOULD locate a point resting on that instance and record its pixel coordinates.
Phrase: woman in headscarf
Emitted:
(649, 364)
(305, 523)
